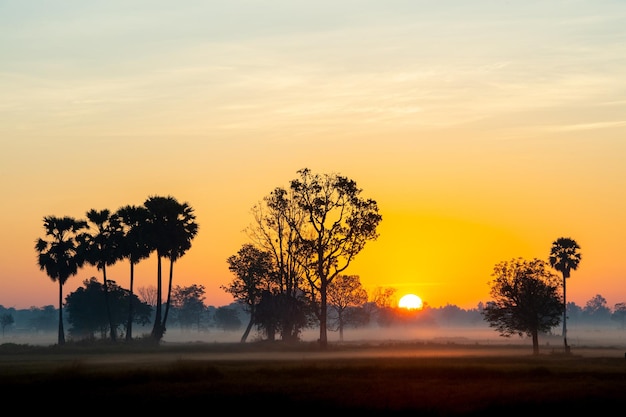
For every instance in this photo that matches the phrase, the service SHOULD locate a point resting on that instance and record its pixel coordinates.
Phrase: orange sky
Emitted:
(483, 131)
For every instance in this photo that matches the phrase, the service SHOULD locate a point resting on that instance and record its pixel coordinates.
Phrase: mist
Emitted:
(580, 336)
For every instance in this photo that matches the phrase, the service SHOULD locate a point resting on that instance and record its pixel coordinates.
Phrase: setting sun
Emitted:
(410, 302)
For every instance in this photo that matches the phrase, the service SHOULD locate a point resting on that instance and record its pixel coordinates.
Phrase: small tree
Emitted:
(344, 293)
(252, 268)
(6, 319)
(526, 299)
(226, 318)
(87, 315)
(188, 302)
(619, 314)
(596, 310)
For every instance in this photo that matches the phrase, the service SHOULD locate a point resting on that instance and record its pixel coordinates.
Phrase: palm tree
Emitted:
(171, 227)
(184, 230)
(135, 247)
(60, 255)
(102, 249)
(565, 257)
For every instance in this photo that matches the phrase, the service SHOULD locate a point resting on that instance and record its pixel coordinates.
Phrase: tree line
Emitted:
(304, 236)
(87, 319)
(161, 225)
(290, 275)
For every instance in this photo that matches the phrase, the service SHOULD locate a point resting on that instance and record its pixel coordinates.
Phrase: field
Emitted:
(400, 378)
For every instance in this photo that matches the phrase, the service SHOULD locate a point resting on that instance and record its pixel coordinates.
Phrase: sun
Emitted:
(410, 302)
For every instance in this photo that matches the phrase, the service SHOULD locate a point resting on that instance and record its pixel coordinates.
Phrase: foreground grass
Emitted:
(387, 380)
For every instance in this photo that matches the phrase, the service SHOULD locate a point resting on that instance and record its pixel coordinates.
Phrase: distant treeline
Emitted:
(231, 317)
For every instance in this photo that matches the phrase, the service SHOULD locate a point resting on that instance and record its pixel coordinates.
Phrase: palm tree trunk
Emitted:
(129, 322)
(169, 293)
(106, 302)
(61, 340)
(157, 333)
(567, 350)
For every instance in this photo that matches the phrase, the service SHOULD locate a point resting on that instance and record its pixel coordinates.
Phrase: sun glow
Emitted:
(410, 302)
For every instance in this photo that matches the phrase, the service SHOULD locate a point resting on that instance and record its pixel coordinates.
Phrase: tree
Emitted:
(59, 255)
(135, 247)
(43, 319)
(526, 299)
(188, 303)
(171, 227)
(102, 249)
(6, 319)
(344, 293)
(148, 295)
(226, 319)
(564, 257)
(87, 315)
(337, 223)
(383, 302)
(597, 310)
(276, 221)
(619, 314)
(252, 268)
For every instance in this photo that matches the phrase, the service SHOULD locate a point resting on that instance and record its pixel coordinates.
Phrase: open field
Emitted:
(404, 378)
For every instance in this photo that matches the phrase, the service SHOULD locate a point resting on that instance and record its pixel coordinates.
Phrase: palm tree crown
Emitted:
(565, 255)
(60, 255)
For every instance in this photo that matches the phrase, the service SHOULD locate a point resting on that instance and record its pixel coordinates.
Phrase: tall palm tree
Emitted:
(135, 247)
(565, 257)
(184, 230)
(102, 249)
(171, 226)
(59, 255)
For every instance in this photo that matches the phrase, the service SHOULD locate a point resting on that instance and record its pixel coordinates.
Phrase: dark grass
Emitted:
(296, 379)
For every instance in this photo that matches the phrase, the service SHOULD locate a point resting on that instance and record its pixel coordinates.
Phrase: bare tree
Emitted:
(148, 295)
(344, 293)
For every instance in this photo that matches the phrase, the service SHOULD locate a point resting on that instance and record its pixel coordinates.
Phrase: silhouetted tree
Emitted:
(6, 319)
(188, 303)
(148, 295)
(43, 319)
(86, 312)
(597, 310)
(226, 319)
(565, 257)
(171, 227)
(383, 302)
(59, 255)
(252, 268)
(337, 223)
(276, 220)
(344, 293)
(134, 246)
(102, 249)
(619, 314)
(526, 299)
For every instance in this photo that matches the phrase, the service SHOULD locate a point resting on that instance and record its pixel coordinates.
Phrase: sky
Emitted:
(485, 130)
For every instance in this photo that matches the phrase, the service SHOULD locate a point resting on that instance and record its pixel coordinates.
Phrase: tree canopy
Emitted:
(526, 299)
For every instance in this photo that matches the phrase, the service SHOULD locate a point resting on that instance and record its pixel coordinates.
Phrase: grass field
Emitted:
(420, 379)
